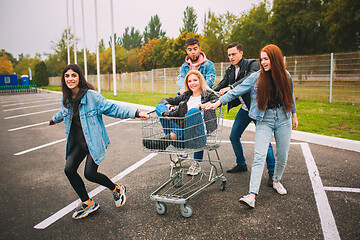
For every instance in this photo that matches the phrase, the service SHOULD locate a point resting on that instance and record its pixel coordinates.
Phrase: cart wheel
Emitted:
(160, 208)
(186, 211)
(177, 182)
(222, 185)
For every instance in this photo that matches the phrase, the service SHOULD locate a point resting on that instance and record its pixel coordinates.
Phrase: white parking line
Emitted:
(342, 189)
(27, 126)
(40, 147)
(25, 99)
(28, 114)
(252, 142)
(24, 102)
(59, 141)
(62, 212)
(34, 106)
(327, 220)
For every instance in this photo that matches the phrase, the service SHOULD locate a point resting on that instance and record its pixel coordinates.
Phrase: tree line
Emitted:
(298, 27)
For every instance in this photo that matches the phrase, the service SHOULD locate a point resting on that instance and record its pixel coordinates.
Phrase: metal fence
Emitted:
(326, 77)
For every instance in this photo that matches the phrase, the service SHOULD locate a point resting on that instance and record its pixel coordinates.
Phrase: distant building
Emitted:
(8, 80)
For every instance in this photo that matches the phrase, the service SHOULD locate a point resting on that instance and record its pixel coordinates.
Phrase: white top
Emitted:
(194, 102)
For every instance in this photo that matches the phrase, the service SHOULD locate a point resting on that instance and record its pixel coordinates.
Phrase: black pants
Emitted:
(75, 157)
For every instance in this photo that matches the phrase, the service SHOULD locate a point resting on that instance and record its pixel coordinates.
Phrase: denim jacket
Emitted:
(207, 69)
(249, 85)
(91, 108)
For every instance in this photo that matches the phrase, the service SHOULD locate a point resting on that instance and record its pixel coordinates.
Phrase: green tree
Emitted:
(342, 19)
(120, 59)
(153, 29)
(252, 30)
(296, 27)
(217, 31)
(102, 45)
(132, 62)
(175, 53)
(116, 39)
(189, 20)
(5, 66)
(145, 56)
(26, 62)
(132, 39)
(41, 74)
(9, 57)
(57, 60)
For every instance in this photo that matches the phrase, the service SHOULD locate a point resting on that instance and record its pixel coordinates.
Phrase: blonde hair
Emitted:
(203, 85)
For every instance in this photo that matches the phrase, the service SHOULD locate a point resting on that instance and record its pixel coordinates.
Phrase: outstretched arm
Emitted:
(295, 122)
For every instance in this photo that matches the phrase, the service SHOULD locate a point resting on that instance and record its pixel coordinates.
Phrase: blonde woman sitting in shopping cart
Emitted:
(187, 125)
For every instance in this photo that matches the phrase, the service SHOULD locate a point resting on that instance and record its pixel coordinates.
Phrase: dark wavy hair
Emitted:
(82, 82)
(279, 76)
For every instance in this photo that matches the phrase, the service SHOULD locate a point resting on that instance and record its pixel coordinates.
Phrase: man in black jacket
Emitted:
(235, 74)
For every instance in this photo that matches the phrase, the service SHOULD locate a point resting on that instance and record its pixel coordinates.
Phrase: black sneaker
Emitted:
(182, 110)
(160, 144)
(270, 180)
(237, 168)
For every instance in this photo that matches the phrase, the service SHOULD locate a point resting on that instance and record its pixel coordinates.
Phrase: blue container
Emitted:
(8, 80)
(25, 80)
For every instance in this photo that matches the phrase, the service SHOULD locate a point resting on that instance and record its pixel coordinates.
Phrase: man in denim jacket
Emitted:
(196, 60)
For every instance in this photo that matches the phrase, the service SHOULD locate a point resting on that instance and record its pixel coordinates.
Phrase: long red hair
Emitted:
(279, 76)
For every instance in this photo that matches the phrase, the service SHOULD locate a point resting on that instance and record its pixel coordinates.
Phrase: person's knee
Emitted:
(69, 171)
(234, 137)
(89, 175)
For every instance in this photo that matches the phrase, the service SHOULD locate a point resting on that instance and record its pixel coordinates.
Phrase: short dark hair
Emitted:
(192, 41)
(235, 44)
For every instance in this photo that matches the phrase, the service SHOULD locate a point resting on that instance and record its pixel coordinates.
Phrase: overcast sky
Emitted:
(29, 26)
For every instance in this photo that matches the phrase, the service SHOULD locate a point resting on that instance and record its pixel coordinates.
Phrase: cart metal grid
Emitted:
(179, 188)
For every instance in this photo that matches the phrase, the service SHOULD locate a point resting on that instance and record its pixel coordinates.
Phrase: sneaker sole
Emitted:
(88, 212)
(246, 204)
(280, 193)
(122, 204)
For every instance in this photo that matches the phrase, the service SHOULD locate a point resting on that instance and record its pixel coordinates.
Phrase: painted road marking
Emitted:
(27, 126)
(342, 189)
(40, 147)
(28, 114)
(23, 102)
(62, 212)
(59, 141)
(25, 99)
(252, 142)
(327, 220)
(34, 106)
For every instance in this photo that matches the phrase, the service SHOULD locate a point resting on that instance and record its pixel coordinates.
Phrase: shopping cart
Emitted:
(196, 132)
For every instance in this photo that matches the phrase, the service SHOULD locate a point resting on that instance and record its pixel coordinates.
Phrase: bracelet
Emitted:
(200, 107)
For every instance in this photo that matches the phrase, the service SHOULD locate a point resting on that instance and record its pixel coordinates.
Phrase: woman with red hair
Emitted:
(272, 104)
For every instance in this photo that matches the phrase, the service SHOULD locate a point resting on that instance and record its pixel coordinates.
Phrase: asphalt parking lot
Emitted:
(323, 200)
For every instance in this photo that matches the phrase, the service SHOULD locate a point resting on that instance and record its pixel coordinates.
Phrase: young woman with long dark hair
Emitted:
(272, 104)
(81, 110)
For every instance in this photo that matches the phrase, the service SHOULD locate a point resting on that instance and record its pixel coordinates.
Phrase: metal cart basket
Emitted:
(196, 132)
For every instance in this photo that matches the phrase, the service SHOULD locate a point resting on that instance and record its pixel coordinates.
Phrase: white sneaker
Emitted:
(248, 200)
(279, 188)
(194, 169)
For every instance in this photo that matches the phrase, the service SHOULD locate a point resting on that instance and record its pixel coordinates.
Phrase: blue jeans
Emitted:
(242, 120)
(274, 121)
(191, 136)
